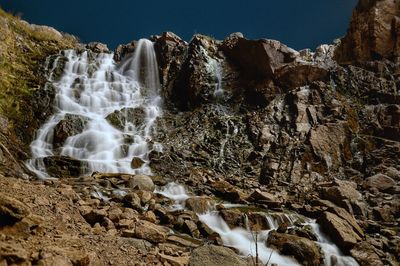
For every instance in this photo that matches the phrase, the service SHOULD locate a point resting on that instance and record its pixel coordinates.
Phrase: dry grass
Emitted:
(23, 49)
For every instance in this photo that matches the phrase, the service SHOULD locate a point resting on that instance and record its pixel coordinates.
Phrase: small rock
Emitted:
(150, 232)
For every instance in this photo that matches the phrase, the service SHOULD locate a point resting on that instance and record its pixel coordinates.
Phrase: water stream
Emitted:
(92, 89)
(244, 241)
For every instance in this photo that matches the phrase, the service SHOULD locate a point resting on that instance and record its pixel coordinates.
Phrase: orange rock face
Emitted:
(374, 32)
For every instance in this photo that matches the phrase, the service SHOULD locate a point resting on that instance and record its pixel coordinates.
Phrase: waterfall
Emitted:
(93, 90)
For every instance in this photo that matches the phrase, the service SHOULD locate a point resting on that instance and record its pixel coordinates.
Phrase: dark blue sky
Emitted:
(297, 23)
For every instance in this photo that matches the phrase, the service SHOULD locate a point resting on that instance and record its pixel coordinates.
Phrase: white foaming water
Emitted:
(93, 89)
(245, 241)
(218, 72)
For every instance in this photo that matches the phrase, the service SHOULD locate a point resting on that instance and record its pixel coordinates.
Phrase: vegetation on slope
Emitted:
(23, 49)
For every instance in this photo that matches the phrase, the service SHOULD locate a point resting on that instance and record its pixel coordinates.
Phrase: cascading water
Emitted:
(245, 241)
(92, 89)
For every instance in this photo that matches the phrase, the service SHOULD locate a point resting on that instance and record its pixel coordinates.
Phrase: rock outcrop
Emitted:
(374, 32)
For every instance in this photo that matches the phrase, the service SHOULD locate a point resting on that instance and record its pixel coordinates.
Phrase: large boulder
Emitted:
(374, 32)
(211, 255)
(304, 250)
(339, 230)
(69, 126)
(258, 58)
(119, 118)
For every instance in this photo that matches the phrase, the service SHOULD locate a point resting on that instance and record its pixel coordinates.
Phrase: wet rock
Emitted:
(197, 79)
(258, 221)
(234, 218)
(64, 166)
(258, 58)
(304, 250)
(200, 204)
(142, 182)
(339, 230)
(136, 162)
(150, 232)
(365, 254)
(379, 181)
(98, 47)
(11, 210)
(373, 33)
(123, 50)
(211, 255)
(120, 118)
(71, 125)
(343, 214)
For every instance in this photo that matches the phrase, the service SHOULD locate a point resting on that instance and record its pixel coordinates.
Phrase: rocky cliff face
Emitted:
(256, 122)
(373, 33)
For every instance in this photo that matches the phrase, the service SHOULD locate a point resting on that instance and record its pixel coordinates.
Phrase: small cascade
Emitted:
(246, 242)
(92, 89)
(218, 74)
(231, 130)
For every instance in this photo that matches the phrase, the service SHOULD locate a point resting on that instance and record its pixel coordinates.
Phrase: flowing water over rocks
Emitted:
(115, 105)
(252, 243)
